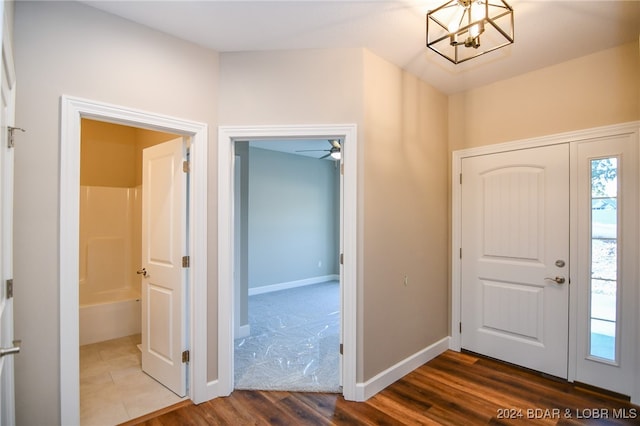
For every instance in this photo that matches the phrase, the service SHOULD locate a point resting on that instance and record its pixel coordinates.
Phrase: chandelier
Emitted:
(460, 30)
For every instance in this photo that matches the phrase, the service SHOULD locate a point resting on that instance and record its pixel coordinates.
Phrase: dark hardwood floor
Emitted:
(452, 389)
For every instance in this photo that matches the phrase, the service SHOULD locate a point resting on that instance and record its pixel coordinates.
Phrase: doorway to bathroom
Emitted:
(127, 275)
(191, 340)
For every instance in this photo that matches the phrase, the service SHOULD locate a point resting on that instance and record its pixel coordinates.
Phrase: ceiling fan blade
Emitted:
(325, 156)
(313, 150)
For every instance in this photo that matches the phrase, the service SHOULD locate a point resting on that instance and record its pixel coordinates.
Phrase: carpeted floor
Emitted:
(294, 342)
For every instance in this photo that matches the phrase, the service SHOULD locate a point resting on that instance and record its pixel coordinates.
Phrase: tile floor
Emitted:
(113, 388)
(294, 343)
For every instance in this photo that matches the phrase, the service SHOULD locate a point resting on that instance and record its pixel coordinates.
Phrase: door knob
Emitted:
(558, 279)
(10, 351)
(142, 272)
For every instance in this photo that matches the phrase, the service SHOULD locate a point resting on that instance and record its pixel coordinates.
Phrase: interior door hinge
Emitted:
(186, 261)
(341, 348)
(10, 133)
(185, 357)
(460, 178)
(186, 167)
(342, 258)
(342, 169)
(9, 284)
(460, 252)
(460, 327)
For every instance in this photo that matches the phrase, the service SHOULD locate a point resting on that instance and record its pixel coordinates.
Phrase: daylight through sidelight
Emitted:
(604, 258)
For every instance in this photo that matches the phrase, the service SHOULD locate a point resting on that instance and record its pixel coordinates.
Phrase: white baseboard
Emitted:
(374, 385)
(243, 331)
(212, 392)
(292, 284)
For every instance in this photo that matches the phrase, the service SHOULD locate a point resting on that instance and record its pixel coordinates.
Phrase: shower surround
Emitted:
(110, 250)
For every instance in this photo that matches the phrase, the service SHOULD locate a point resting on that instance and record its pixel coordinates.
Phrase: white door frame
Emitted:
(227, 135)
(72, 111)
(8, 81)
(456, 215)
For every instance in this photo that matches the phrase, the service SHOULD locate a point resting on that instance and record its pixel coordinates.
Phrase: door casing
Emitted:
(456, 281)
(72, 111)
(227, 135)
(8, 79)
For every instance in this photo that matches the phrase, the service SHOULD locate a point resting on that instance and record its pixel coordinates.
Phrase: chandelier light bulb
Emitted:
(454, 24)
(477, 13)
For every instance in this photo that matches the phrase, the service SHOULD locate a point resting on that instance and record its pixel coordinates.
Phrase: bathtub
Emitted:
(109, 315)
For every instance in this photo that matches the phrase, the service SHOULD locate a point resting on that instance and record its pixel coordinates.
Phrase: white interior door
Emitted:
(9, 348)
(606, 256)
(164, 193)
(515, 257)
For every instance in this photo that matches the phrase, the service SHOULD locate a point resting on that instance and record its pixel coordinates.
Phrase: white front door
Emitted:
(515, 257)
(7, 345)
(164, 200)
(606, 260)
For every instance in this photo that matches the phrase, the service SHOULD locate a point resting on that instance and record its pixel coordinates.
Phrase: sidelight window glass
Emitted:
(604, 258)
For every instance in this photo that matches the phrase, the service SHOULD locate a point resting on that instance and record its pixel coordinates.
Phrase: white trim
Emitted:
(226, 137)
(292, 284)
(374, 385)
(572, 352)
(72, 111)
(578, 135)
(8, 76)
(621, 376)
(243, 331)
(456, 169)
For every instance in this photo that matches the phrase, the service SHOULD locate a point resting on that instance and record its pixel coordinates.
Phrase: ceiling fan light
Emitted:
(335, 155)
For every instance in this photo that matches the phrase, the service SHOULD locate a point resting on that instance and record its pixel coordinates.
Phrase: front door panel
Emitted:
(515, 255)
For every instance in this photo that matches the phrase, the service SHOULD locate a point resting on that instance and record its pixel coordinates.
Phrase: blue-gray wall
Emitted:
(293, 217)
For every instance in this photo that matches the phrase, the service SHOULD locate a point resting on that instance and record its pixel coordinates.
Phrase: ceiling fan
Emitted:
(334, 151)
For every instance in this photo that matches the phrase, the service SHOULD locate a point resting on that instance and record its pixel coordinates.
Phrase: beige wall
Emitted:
(591, 91)
(291, 87)
(405, 216)
(107, 154)
(69, 48)
(111, 154)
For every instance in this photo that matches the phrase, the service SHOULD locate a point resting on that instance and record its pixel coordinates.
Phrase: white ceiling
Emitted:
(546, 32)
